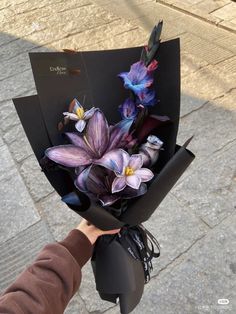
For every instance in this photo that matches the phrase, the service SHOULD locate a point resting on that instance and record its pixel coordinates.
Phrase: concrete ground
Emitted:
(196, 223)
(218, 12)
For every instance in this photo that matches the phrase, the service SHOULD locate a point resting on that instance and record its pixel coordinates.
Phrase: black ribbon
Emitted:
(140, 244)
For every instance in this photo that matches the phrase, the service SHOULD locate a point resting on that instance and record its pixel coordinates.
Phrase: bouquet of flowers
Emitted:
(113, 172)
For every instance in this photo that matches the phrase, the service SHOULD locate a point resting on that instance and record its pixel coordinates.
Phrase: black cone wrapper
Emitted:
(124, 278)
(91, 77)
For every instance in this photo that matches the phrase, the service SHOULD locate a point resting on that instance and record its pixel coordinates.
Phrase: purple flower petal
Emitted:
(79, 169)
(118, 184)
(96, 181)
(144, 174)
(135, 161)
(89, 113)
(119, 133)
(128, 109)
(126, 159)
(80, 125)
(127, 81)
(68, 155)
(146, 97)
(81, 180)
(78, 140)
(97, 133)
(133, 181)
(113, 160)
(71, 116)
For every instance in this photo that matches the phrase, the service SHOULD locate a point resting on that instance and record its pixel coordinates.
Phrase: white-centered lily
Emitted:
(128, 169)
(80, 115)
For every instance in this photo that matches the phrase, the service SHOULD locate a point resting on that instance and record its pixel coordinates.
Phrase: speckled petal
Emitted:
(68, 155)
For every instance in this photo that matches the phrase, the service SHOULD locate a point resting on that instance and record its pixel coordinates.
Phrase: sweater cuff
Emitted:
(79, 246)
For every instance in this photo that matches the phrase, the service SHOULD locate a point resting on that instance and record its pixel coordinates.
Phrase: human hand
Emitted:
(92, 232)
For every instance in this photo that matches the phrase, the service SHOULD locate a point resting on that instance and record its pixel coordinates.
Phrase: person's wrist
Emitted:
(92, 232)
(89, 232)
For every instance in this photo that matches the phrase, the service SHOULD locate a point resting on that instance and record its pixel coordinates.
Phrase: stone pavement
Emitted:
(196, 223)
(219, 12)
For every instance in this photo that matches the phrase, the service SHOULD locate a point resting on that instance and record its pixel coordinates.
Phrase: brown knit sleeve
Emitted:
(79, 246)
(49, 283)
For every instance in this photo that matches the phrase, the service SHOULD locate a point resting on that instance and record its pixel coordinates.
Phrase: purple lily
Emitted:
(97, 140)
(79, 114)
(96, 182)
(128, 169)
(140, 77)
(128, 109)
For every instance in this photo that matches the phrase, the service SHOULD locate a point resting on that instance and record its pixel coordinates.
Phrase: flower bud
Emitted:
(150, 150)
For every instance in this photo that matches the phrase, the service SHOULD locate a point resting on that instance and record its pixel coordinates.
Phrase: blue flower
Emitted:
(140, 77)
(147, 97)
(128, 109)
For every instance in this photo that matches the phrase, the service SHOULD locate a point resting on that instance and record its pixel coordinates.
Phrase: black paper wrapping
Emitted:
(92, 78)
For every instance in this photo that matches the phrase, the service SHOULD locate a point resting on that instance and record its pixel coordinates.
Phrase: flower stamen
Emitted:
(80, 112)
(129, 171)
(87, 142)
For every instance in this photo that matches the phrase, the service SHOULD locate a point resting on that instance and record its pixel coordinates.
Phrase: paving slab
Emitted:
(17, 208)
(208, 83)
(206, 275)
(76, 305)
(190, 104)
(35, 23)
(1, 141)
(202, 47)
(176, 228)
(230, 24)
(18, 143)
(107, 33)
(34, 178)
(226, 12)
(20, 250)
(219, 12)
(209, 190)
(58, 216)
(190, 63)
(213, 126)
(228, 66)
(16, 85)
(21, 63)
(8, 116)
(130, 38)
